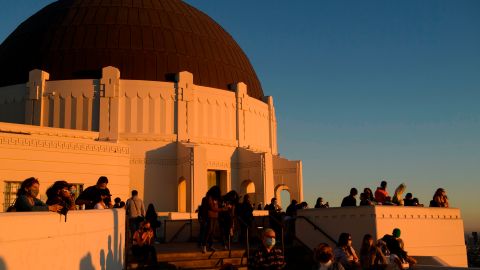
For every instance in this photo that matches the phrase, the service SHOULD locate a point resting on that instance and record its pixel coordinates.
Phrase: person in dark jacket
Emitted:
(90, 194)
(350, 200)
(27, 198)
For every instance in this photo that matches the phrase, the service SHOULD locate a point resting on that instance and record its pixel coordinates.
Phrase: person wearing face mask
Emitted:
(268, 257)
(345, 253)
(27, 198)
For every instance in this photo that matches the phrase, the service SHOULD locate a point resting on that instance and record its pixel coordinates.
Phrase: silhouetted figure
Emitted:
(320, 203)
(152, 217)
(350, 200)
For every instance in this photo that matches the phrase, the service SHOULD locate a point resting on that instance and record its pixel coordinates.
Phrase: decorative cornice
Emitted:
(285, 171)
(63, 145)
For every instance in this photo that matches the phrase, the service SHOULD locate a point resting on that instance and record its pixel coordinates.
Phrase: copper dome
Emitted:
(145, 39)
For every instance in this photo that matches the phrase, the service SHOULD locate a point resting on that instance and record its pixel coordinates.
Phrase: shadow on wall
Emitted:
(86, 262)
(160, 164)
(3, 266)
(113, 259)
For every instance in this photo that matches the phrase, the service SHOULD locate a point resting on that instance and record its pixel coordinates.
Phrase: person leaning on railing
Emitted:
(27, 198)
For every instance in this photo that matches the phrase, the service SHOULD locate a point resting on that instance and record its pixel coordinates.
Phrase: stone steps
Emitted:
(189, 256)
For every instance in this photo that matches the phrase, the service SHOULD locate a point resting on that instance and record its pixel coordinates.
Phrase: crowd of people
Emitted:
(382, 197)
(233, 220)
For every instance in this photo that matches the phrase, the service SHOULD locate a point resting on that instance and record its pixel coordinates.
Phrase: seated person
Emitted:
(142, 247)
(268, 256)
(27, 198)
(323, 256)
(345, 253)
(440, 199)
(408, 201)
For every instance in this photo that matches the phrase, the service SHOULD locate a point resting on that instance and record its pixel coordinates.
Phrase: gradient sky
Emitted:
(363, 90)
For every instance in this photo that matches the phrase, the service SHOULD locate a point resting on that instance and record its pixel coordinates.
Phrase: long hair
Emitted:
(57, 186)
(214, 192)
(26, 184)
(323, 253)
(440, 197)
(343, 239)
(365, 249)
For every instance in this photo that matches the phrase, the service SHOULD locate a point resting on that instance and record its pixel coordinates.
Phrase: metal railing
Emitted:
(316, 228)
(187, 222)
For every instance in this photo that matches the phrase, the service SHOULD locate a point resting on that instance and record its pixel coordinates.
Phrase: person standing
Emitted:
(135, 211)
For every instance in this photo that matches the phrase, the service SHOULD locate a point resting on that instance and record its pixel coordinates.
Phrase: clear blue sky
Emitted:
(364, 90)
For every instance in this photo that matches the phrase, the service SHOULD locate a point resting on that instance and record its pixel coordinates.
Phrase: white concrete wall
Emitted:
(93, 239)
(435, 232)
(52, 154)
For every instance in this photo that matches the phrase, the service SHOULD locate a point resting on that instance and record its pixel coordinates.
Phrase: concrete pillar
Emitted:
(241, 95)
(185, 106)
(268, 180)
(110, 94)
(34, 100)
(272, 125)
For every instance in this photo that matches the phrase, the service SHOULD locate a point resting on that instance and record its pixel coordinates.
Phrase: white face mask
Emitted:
(270, 241)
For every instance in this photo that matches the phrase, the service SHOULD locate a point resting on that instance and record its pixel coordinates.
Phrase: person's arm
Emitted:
(142, 206)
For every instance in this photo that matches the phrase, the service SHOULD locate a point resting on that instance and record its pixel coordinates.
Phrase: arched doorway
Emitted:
(182, 194)
(248, 187)
(282, 193)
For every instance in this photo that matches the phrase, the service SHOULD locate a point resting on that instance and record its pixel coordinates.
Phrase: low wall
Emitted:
(88, 240)
(435, 232)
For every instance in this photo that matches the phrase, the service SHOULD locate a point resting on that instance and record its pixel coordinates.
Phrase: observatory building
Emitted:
(155, 95)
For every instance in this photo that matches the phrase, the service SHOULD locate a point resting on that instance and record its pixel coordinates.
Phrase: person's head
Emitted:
(409, 196)
(323, 253)
(268, 238)
(151, 208)
(368, 192)
(319, 200)
(73, 189)
(122, 204)
(345, 239)
(102, 182)
(400, 189)
(134, 193)
(29, 187)
(246, 198)
(273, 201)
(440, 192)
(294, 202)
(214, 192)
(59, 188)
(353, 192)
(415, 201)
(146, 225)
(117, 200)
(383, 184)
(363, 196)
(303, 205)
(367, 241)
(396, 232)
(104, 195)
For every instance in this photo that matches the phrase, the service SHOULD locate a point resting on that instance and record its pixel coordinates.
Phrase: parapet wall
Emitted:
(93, 239)
(434, 232)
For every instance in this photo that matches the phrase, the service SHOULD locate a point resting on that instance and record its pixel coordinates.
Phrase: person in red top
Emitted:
(381, 193)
